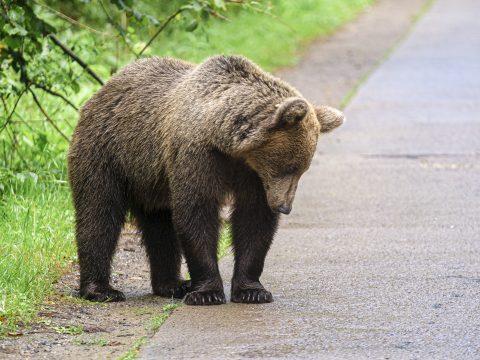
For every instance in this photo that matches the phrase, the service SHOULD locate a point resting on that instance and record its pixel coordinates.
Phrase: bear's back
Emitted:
(133, 89)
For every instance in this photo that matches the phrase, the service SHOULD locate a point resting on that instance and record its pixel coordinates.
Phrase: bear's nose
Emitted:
(284, 209)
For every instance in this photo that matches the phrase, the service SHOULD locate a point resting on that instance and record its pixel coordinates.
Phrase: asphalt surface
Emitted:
(380, 257)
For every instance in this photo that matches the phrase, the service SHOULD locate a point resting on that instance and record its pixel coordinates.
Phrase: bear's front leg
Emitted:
(197, 227)
(253, 226)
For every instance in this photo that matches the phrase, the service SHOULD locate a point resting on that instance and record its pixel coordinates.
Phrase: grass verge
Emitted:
(36, 243)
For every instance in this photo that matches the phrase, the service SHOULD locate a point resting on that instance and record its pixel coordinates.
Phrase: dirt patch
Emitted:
(68, 328)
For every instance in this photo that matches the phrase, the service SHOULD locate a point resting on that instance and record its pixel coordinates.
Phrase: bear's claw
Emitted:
(252, 296)
(211, 297)
(169, 291)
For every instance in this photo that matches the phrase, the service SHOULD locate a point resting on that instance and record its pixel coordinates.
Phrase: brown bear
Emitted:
(168, 141)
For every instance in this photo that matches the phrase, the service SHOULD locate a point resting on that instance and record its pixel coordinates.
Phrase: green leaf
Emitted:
(75, 86)
(16, 14)
(153, 20)
(205, 14)
(41, 141)
(119, 3)
(35, 25)
(138, 15)
(187, 7)
(15, 30)
(192, 25)
(13, 42)
(219, 4)
(196, 6)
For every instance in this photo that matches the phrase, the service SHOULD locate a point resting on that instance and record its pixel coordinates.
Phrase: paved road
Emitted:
(381, 255)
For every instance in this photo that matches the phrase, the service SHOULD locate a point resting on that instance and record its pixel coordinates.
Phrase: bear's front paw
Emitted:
(252, 296)
(101, 293)
(176, 291)
(210, 297)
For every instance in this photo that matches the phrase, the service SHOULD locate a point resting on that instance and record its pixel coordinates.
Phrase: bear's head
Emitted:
(289, 138)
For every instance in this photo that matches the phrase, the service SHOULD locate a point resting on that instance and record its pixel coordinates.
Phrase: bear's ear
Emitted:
(290, 112)
(329, 118)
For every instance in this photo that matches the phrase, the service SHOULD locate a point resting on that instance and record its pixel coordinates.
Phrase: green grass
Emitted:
(84, 342)
(272, 40)
(69, 330)
(155, 322)
(36, 216)
(36, 245)
(134, 349)
(224, 241)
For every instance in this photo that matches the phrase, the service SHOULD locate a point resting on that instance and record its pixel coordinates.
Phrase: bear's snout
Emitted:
(281, 194)
(285, 209)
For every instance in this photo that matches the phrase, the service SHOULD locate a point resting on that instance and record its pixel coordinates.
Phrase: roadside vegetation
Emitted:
(42, 87)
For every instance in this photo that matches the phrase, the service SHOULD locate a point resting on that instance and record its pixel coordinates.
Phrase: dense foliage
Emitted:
(45, 51)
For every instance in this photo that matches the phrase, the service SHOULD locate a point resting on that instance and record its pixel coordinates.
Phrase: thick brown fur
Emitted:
(168, 140)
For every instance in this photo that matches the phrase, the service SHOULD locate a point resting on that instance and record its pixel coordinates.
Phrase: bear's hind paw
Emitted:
(96, 293)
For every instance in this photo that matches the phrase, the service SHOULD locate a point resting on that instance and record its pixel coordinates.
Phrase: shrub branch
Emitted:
(9, 117)
(75, 57)
(49, 119)
(164, 25)
(54, 93)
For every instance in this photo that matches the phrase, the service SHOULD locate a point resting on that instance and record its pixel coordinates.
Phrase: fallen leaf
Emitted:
(16, 333)
(114, 343)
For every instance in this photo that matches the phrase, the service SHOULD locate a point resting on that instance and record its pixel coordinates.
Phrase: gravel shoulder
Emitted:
(67, 328)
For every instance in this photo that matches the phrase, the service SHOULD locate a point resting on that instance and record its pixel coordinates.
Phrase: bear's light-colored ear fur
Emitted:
(329, 118)
(290, 112)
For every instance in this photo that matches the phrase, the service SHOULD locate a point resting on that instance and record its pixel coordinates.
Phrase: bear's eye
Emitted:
(291, 169)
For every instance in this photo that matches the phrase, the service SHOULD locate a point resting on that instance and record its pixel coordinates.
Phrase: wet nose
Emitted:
(285, 209)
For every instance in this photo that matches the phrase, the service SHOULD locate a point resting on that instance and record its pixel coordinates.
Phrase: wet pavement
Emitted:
(380, 257)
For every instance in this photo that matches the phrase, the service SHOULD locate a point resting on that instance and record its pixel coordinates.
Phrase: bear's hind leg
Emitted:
(253, 228)
(164, 253)
(100, 214)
